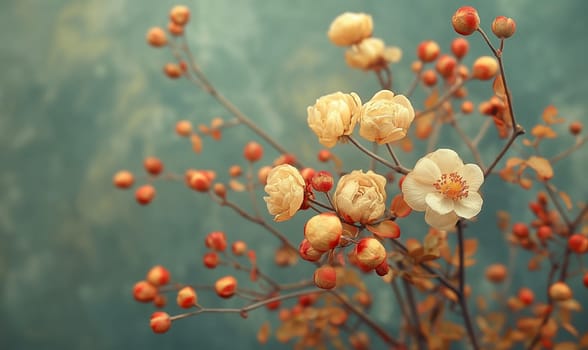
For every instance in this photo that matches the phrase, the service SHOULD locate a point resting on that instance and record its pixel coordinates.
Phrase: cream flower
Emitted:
(446, 189)
(285, 187)
(350, 28)
(333, 116)
(368, 54)
(385, 118)
(360, 197)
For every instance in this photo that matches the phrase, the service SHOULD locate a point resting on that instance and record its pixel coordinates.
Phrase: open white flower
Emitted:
(444, 188)
(285, 187)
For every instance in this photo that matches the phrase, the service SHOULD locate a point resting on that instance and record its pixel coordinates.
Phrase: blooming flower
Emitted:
(285, 187)
(350, 28)
(360, 197)
(385, 118)
(366, 55)
(333, 116)
(446, 189)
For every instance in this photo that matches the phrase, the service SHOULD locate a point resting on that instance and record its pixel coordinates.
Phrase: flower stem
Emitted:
(461, 296)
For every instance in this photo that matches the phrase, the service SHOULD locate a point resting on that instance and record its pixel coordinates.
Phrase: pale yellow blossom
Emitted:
(368, 54)
(350, 28)
(334, 116)
(285, 187)
(386, 117)
(360, 197)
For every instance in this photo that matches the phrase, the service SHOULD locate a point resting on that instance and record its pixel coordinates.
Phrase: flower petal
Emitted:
(426, 171)
(473, 176)
(439, 203)
(470, 206)
(440, 222)
(414, 192)
(446, 159)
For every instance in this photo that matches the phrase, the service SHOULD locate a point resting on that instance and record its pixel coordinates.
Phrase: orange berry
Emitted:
(560, 291)
(225, 287)
(172, 70)
(496, 273)
(156, 37)
(428, 51)
(239, 248)
(235, 171)
(578, 243)
(123, 179)
(503, 27)
(466, 20)
(145, 194)
(175, 29)
(575, 128)
(144, 291)
(199, 181)
(429, 77)
(153, 165)
(220, 190)
(467, 107)
(187, 297)
(520, 230)
(179, 15)
(324, 155)
(253, 151)
(216, 240)
(446, 65)
(160, 322)
(210, 260)
(544, 232)
(485, 68)
(184, 128)
(325, 277)
(460, 47)
(158, 275)
(526, 296)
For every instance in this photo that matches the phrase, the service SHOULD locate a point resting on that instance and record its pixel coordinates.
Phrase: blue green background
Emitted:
(82, 95)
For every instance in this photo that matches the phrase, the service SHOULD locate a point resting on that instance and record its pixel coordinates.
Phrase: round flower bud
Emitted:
(160, 322)
(333, 116)
(172, 70)
(184, 128)
(239, 248)
(496, 273)
(526, 296)
(307, 252)
(175, 29)
(460, 47)
(225, 287)
(179, 15)
(210, 260)
(235, 171)
(323, 231)
(253, 151)
(199, 181)
(123, 179)
(485, 68)
(145, 194)
(156, 37)
(144, 291)
(578, 243)
(350, 28)
(520, 230)
(360, 197)
(220, 190)
(216, 240)
(428, 51)
(386, 117)
(575, 128)
(467, 107)
(446, 66)
(158, 276)
(153, 165)
(325, 277)
(466, 20)
(285, 187)
(368, 54)
(322, 181)
(503, 27)
(370, 253)
(187, 297)
(560, 291)
(429, 77)
(544, 232)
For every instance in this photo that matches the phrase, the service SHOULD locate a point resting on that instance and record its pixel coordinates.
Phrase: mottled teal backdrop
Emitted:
(82, 95)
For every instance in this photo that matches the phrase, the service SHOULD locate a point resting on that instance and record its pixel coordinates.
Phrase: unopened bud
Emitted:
(216, 240)
(323, 231)
(307, 252)
(253, 151)
(460, 47)
(428, 51)
(496, 273)
(325, 277)
(180, 15)
(485, 68)
(560, 291)
(158, 275)
(145, 194)
(370, 253)
(239, 248)
(144, 291)
(160, 322)
(466, 20)
(322, 181)
(123, 179)
(156, 37)
(503, 27)
(226, 287)
(187, 297)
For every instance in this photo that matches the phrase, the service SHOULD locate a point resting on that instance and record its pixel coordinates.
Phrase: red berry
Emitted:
(520, 230)
(153, 165)
(526, 296)
(123, 179)
(145, 194)
(144, 291)
(466, 20)
(253, 151)
(325, 277)
(160, 322)
(578, 243)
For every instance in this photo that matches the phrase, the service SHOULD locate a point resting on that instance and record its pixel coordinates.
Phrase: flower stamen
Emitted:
(452, 186)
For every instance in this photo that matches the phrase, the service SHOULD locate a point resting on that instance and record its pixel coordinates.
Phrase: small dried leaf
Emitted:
(543, 131)
(470, 246)
(541, 166)
(432, 99)
(385, 229)
(264, 333)
(196, 143)
(566, 199)
(399, 207)
(236, 186)
(570, 328)
(498, 87)
(549, 115)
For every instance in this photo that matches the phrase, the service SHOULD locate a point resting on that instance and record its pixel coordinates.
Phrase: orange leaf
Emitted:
(196, 143)
(263, 333)
(470, 246)
(498, 87)
(399, 207)
(549, 115)
(385, 229)
(541, 166)
(432, 99)
(566, 199)
(543, 131)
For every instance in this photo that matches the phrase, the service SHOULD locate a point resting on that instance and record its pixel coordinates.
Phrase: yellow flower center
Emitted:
(452, 186)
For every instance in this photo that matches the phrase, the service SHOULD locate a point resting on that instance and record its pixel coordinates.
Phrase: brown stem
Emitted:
(420, 336)
(461, 296)
(399, 169)
(468, 142)
(579, 142)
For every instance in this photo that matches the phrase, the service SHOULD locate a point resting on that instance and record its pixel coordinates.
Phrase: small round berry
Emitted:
(526, 296)
(428, 51)
(160, 301)
(560, 291)
(156, 37)
(199, 181)
(226, 287)
(446, 66)
(370, 253)
(179, 15)
(172, 70)
(184, 128)
(324, 155)
(158, 275)
(239, 248)
(467, 107)
(153, 165)
(460, 47)
(575, 128)
(216, 240)
(160, 322)
(123, 179)
(322, 181)
(235, 171)
(466, 20)
(578, 243)
(544, 232)
(253, 151)
(325, 277)
(520, 230)
(503, 27)
(187, 297)
(496, 273)
(220, 190)
(144, 291)
(429, 77)
(175, 29)
(485, 68)
(145, 194)
(210, 260)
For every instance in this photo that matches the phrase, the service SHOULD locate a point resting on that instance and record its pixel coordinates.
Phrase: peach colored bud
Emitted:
(323, 231)
(467, 107)
(429, 77)
(160, 322)
(235, 171)
(526, 296)
(307, 174)
(307, 252)
(446, 66)
(306, 300)
(210, 260)
(187, 297)
(160, 301)
(262, 174)
(460, 47)
(175, 29)
(216, 240)
(158, 276)
(560, 291)
(428, 51)
(368, 54)
(338, 317)
(153, 165)
(333, 116)
(220, 190)
(578, 243)
(199, 181)
(156, 37)
(322, 181)
(496, 273)
(225, 287)
(239, 248)
(370, 253)
(184, 128)
(144, 291)
(485, 68)
(466, 20)
(123, 179)
(172, 70)
(324, 155)
(325, 277)
(460, 93)
(253, 151)
(383, 268)
(350, 28)
(179, 15)
(145, 194)
(360, 197)
(385, 117)
(503, 27)
(575, 128)
(289, 159)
